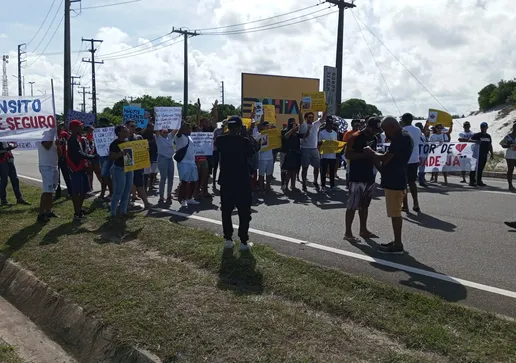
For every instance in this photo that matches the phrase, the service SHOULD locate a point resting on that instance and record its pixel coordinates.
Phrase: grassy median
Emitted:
(8, 354)
(172, 290)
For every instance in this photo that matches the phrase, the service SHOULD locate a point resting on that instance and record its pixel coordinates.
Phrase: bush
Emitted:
(496, 95)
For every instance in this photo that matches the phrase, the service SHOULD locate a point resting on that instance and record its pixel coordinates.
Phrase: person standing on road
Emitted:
(138, 174)
(77, 160)
(122, 180)
(361, 177)
(186, 167)
(355, 126)
(422, 155)
(215, 160)
(165, 144)
(309, 151)
(291, 141)
(393, 167)
(328, 161)
(48, 167)
(265, 160)
(485, 147)
(509, 143)
(235, 188)
(465, 136)
(150, 173)
(439, 137)
(8, 171)
(414, 161)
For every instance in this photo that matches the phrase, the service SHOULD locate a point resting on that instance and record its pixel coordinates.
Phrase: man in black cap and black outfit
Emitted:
(234, 179)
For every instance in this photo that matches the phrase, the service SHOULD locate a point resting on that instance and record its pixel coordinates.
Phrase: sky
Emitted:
(452, 48)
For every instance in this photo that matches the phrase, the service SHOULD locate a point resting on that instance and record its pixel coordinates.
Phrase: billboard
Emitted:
(284, 93)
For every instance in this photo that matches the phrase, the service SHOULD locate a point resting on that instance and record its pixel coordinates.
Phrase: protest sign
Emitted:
(440, 117)
(331, 147)
(330, 89)
(314, 102)
(136, 114)
(446, 157)
(202, 143)
(258, 109)
(247, 122)
(103, 137)
(167, 118)
(269, 112)
(27, 145)
(88, 119)
(26, 118)
(271, 139)
(136, 155)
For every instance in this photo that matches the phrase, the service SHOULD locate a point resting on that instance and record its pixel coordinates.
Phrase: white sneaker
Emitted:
(193, 202)
(247, 247)
(184, 204)
(229, 244)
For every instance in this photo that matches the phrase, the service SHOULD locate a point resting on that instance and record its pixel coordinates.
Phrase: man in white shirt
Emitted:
(309, 152)
(328, 160)
(465, 136)
(48, 167)
(414, 161)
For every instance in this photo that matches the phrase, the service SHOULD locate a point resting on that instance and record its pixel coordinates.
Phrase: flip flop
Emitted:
(368, 235)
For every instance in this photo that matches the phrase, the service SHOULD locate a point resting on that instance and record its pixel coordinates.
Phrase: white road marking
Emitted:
(358, 256)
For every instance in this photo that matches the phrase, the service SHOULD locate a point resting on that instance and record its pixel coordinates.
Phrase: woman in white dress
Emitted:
(509, 144)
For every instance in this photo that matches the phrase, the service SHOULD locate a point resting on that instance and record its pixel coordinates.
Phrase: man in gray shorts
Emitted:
(309, 151)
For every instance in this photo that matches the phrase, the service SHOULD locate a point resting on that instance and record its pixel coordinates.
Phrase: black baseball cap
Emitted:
(234, 121)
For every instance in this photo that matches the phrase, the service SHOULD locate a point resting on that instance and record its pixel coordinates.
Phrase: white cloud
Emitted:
(3, 36)
(454, 47)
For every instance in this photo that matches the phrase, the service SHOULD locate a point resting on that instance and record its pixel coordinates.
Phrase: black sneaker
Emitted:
(472, 184)
(391, 249)
(52, 215)
(42, 218)
(511, 224)
(482, 184)
(5, 203)
(22, 202)
(317, 187)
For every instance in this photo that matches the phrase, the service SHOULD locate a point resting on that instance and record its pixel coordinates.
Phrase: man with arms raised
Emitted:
(393, 167)
(309, 151)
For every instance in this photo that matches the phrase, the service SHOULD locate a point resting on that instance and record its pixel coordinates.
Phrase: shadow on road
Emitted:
(428, 221)
(449, 291)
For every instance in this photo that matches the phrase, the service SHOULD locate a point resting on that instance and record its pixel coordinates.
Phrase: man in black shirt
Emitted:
(361, 177)
(393, 167)
(150, 173)
(234, 179)
(485, 147)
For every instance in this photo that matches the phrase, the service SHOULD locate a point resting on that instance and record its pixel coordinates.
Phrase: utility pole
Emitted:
(75, 84)
(20, 61)
(222, 92)
(186, 34)
(93, 82)
(31, 89)
(5, 80)
(67, 99)
(84, 93)
(340, 38)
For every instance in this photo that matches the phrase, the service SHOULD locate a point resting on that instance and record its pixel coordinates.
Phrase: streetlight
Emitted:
(31, 89)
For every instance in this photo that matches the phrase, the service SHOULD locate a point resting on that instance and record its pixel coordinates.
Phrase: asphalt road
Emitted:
(458, 247)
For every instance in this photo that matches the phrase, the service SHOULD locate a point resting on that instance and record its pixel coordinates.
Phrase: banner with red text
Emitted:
(26, 118)
(447, 156)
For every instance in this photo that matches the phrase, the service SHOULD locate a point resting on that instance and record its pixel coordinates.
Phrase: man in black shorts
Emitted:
(361, 177)
(414, 161)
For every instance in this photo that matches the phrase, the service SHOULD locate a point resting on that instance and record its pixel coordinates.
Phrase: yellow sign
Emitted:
(271, 139)
(247, 122)
(440, 117)
(314, 102)
(284, 93)
(269, 113)
(136, 155)
(331, 147)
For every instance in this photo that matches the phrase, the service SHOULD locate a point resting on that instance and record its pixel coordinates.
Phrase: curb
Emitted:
(87, 338)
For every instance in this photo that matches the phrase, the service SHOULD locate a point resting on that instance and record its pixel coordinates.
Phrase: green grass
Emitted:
(8, 354)
(172, 290)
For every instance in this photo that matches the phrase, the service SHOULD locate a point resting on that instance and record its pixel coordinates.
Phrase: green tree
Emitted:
(484, 97)
(357, 108)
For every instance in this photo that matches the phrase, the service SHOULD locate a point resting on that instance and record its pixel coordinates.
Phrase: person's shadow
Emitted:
(428, 221)
(447, 290)
(18, 240)
(239, 274)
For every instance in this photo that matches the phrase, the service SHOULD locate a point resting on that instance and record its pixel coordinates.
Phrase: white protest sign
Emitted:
(27, 145)
(103, 137)
(167, 118)
(26, 118)
(202, 143)
(446, 157)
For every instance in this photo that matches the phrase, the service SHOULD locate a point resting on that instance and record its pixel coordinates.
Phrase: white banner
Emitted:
(202, 143)
(26, 118)
(103, 137)
(167, 118)
(330, 88)
(447, 157)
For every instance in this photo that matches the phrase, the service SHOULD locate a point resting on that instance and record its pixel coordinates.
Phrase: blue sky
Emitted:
(454, 47)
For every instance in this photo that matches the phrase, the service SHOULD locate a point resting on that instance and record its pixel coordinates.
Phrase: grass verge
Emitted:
(174, 291)
(8, 354)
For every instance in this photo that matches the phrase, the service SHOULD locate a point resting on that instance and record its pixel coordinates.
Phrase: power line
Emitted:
(146, 51)
(259, 20)
(46, 46)
(132, 48)
(400, 62)
(48, 29)
(377, 66)
(272, 26)
(106, 5)
(42, 23)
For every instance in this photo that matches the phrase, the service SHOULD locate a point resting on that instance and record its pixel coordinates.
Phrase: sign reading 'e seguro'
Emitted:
(25, 118)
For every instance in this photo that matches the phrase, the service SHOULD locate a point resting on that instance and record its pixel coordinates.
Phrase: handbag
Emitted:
(180, 154)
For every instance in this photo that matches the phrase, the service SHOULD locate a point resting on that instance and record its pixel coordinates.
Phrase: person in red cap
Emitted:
(77, 160)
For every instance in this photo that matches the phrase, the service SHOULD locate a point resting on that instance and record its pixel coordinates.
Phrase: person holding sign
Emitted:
(439, 137)
(235, 188)
(122, 180)
(328, 160)
(265, 159)
(188, 174)
(138, 177)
